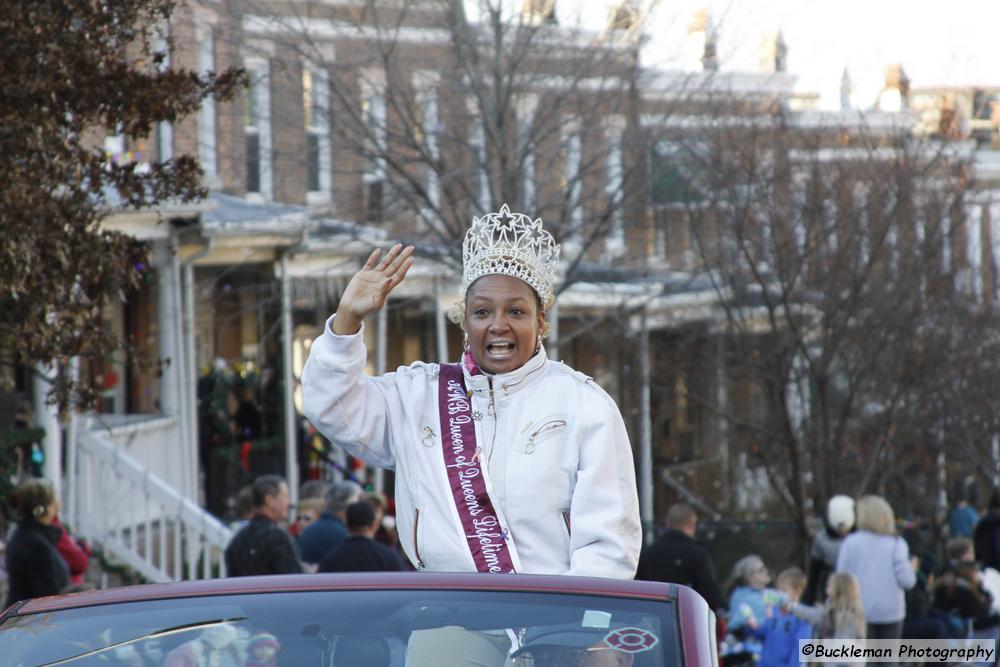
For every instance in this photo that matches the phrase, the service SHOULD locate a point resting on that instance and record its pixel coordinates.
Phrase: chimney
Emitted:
(539, 12)
(701, 48)
(773, 53)
(846, 90)
(895, 95)
(624, 17)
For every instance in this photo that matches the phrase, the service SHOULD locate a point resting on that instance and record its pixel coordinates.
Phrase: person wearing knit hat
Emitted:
(826, 546)
(262, 650)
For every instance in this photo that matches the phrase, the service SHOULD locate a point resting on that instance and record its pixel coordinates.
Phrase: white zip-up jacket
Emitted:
(558, 461)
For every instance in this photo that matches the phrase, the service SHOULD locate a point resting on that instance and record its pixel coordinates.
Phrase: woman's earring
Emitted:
(538, 343)
(465, 340)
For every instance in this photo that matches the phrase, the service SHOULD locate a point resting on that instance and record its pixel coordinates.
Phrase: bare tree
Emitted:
(441, 114)
(845, 319)
(75, 72)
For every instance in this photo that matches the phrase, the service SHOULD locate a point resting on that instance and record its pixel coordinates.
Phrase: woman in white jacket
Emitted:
(505, 462)
(880, 560)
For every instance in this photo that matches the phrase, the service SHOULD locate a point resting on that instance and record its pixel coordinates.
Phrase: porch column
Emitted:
(440, 326)
(381, 352)
(645, 436)
(169, 313)
(291, 419)
(47, 418)
(552, 317)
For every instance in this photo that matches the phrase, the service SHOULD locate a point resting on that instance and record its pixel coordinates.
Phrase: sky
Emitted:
(941, 43)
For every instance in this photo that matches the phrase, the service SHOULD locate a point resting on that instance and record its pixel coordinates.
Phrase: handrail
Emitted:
(125, 507)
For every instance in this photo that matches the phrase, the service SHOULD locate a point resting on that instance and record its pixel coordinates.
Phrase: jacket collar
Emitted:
(51, 532)
(505, 384)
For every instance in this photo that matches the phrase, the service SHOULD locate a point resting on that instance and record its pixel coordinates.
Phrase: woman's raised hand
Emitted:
(369, 288)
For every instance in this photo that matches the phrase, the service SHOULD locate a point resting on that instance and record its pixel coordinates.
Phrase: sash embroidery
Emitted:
(486, 537)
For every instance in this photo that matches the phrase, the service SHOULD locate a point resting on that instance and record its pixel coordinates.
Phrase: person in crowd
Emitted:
(262, 546)
(986, 535)
(307, 511)
(962, 519)
(880, 560)
(959, 590)
(677, 558)
(28, 455)
(505, 462)
(841, 616)
(313, 488)
(746, 593)
(243, 507)
(780, 631)
(262, 650)
(360, 552)
(924, 620)
(838, 522)
(957, 550)
(34, 566)
(329, 530)
(75, 552)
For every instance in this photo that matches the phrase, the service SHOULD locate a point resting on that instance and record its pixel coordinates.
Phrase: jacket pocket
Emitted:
(544, 430)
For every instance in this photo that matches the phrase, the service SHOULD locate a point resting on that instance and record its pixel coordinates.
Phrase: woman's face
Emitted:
(306, 516)
(759, 577)
(51, 512)
(503, 321)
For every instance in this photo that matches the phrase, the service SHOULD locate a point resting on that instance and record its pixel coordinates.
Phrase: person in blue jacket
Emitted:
(746, 593)
(781, 630)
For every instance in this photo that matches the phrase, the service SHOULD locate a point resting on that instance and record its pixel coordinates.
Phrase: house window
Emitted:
(613, 190)
(427, 106)
(673, 171)
(973, 232)
(526, 147)
(257, 132)
(207, 150)
(373, 110)
(316, 108)
(163, 132)
(994, 212)
(571, 182)
(477, 143)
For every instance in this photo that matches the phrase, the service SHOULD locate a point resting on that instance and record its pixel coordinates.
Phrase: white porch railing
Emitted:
(136, 515)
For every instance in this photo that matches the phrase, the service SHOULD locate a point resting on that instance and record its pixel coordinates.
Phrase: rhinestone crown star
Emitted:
(510, 244)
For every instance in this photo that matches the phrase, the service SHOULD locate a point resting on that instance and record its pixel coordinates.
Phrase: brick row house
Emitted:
(366, 123)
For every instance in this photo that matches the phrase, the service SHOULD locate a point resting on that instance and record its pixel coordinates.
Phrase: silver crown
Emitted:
(510, 244)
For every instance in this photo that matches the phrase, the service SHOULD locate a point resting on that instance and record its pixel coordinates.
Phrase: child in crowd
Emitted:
(781, 631)
(842, 616)
(262, 650)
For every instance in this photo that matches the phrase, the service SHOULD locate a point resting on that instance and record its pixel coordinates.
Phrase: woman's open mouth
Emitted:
(500, 349)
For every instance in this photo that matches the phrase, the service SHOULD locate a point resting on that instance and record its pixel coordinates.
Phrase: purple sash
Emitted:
(486, 536)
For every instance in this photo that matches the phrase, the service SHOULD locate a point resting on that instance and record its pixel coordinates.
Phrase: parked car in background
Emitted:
(366, 620)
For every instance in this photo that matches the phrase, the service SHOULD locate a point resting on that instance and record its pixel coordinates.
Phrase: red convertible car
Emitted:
(367, 620)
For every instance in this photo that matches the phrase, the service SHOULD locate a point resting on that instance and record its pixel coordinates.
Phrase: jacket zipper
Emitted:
(416, 549)
(491, 410)
(565, 516)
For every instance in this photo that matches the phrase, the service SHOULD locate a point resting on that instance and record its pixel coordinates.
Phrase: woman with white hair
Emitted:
(880, 560)
(746, 593)
(505, 461)
(838, 522)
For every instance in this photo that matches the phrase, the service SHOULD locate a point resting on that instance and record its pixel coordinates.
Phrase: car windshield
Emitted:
(376, 628)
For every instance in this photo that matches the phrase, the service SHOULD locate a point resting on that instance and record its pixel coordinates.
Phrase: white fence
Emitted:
(136, 515)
